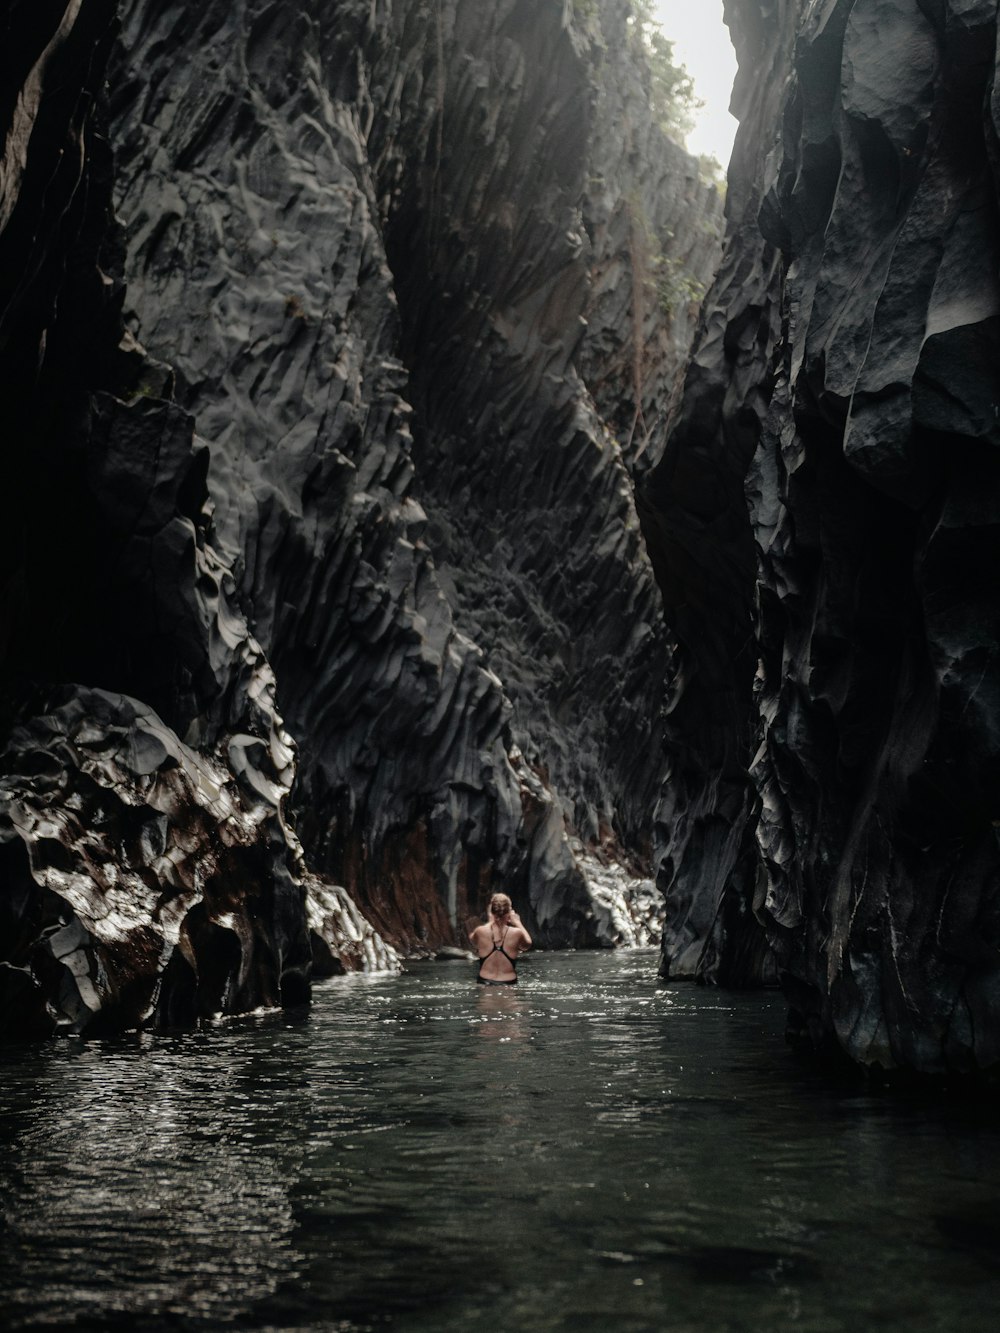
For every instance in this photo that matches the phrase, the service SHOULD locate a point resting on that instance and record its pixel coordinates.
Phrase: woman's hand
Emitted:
(515, 920)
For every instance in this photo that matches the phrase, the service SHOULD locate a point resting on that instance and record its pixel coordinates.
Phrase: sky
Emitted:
(701, 43)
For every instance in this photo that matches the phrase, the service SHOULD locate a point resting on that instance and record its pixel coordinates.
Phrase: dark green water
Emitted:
(590, 1152)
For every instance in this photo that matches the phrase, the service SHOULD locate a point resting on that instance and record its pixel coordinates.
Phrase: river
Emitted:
(593, 1151)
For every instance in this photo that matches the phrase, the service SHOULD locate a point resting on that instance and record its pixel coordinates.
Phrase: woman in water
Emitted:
(499, 943)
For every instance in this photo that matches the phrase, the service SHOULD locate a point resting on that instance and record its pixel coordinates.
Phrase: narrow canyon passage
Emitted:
(399, 510)
(594, 1151)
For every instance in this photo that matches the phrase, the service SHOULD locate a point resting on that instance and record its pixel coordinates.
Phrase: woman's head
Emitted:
(500, 904)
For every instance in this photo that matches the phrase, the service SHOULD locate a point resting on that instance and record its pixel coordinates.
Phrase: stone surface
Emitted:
(146, 878)
(402, 264)
(629, 908)
(393, 254)
(846, 376)
(694, 516)
(402, 269)
(342, 939)
(144, 882)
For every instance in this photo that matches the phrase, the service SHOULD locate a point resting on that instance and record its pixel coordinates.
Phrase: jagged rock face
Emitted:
(388, 251)
(857, 389)
(694, 516)
(148, 871)
(145, 878)
(512, 225)
(148, 884)
(299, 182)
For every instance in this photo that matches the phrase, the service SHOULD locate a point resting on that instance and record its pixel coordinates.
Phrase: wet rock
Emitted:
(145, 883)
(342, 939)
(452, 954)
(148, 873)
(846, 376)
(404, 268)
(629, 908)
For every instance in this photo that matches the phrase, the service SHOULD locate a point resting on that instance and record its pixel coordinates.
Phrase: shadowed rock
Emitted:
(846, 374)
(420, 381)
(145, 878)
(403, 259)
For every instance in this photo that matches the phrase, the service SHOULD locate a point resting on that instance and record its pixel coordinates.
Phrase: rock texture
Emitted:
(629, 910)
(141, 875)
(420, 273)
(695, 518)
(145, 878)
(403, 264)
(846, 375)
(422, 278)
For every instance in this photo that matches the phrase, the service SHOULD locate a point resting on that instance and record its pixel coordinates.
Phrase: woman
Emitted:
(499, 943)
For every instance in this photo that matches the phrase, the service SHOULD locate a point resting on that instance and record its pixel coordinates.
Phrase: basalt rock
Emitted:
(137, 874)
(403, 261)
(846, 377)
(147, 884)
(400, 269)
(700, 540)
(146, 879)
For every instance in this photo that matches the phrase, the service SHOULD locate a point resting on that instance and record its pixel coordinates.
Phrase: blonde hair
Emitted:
(500, 904)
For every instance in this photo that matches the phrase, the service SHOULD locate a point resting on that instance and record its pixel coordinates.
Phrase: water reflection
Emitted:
(628, 1157)
(501, 1015)
(124, 1161)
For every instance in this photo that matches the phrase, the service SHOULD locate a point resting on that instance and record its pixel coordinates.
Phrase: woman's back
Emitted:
(498, 950)
(499, 943)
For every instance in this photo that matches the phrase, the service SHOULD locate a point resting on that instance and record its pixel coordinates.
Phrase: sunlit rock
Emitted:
(146, 883)
(628, 908)
(342, 940)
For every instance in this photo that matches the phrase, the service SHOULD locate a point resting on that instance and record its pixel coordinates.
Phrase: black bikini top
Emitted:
(498, 948)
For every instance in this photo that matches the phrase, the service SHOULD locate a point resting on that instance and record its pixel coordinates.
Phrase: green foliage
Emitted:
(675, 286)
(671, 87)
(666, 276)
(711, 173)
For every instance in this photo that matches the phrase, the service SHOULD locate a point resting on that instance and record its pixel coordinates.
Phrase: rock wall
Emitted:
(846, 377)
(405, 274)
(403, 266)
(145, 878)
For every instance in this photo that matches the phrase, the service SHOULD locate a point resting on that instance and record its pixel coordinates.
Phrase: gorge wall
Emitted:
(382, 635)
(145, 877)
(326, 609)
(824, 527)
(391, 253)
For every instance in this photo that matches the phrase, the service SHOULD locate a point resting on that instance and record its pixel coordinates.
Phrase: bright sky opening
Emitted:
(702, 45)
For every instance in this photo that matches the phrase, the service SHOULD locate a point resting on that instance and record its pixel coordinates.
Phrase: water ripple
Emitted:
(591, 1151)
